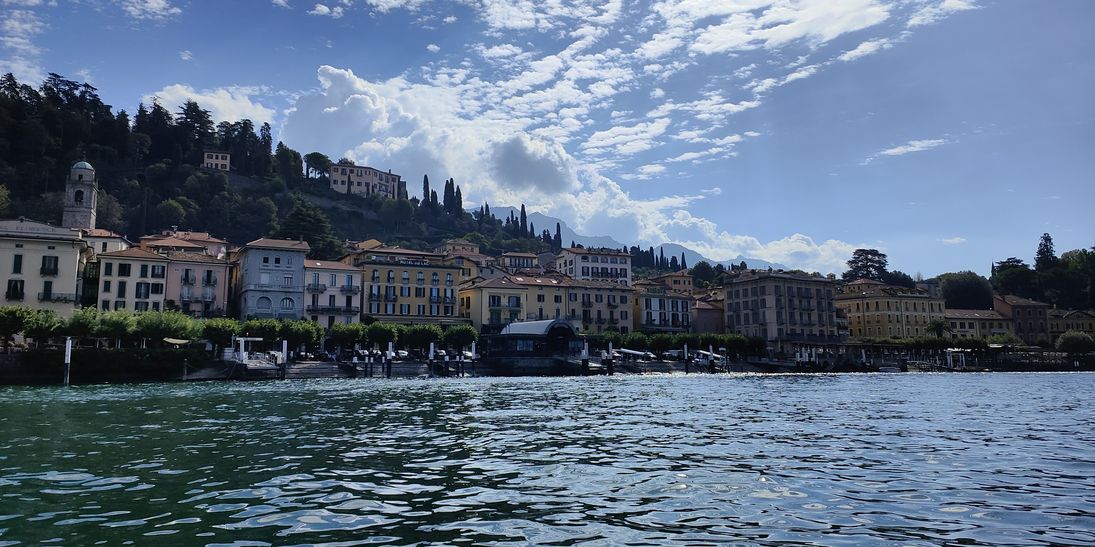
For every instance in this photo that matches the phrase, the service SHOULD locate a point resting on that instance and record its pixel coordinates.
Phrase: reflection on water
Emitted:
(856, 459)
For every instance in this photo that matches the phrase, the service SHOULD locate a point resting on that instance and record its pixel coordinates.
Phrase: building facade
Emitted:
(1062, 321)
(333, 292)
(595, 265)
(590, 306)
(680, 281)
(877, 310)
(660, 309)
(42, 265)
(81, 197)
(197, 284)
(406, 286)
(1029, 318)
(366, 181)
(219, 160)
(132, 279)
(787, 309)
(269, 279)
(977, 323)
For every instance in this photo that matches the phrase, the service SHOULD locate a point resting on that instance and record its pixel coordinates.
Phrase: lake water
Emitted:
(641, 460)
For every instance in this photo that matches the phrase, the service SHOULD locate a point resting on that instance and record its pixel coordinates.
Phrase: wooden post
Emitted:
(68, 358)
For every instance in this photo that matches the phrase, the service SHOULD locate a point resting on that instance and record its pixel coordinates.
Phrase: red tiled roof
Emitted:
(134, 252)
(329, 265)
(1020, 301)
(973, 314)
(286, 244)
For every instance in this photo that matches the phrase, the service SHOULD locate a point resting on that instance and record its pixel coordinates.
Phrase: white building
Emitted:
(595, 265)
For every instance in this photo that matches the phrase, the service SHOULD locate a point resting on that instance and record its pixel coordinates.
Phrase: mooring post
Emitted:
(186, 365)
(68, 358)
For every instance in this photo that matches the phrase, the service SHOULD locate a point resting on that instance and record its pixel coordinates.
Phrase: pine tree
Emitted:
(1045, 258)
(673, 264)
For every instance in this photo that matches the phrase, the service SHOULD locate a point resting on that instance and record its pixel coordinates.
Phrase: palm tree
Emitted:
(938, 327)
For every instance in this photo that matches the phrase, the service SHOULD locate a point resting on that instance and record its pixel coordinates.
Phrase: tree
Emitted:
(41, 325)
(157, 325)
(345, 334)
(308, 222)
(636, 341)
(301, 332)
(684, 262)
(1075, 343)
(170, 212)
(288, 164)
(938, 327)
(966, 291)
(866, 264)
(267, 329)
(524, 221)
(702, 273)
(12, 321)
(220, 331)
(662, 342)
(420, 336)
(317, 163)
(1013, 276)
(381, 334)
(460, 336)
(117, 325)
(557, 241)
(1045, 258)
(84, 323)
(899, 279)
(5, 200)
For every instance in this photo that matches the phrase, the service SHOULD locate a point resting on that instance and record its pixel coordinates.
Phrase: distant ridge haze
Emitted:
(544, 222)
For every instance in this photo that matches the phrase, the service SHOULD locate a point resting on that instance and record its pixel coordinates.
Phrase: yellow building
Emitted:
(1062, 321)
(977, 323)
(132, 279)
(43, 265)
(332, 292)
(591, 306)
(680, 281)
(877, 310)
(407, 286)
(661, 309)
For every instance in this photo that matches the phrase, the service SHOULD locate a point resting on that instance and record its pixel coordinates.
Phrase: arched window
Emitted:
(78, 197)
(263, 303)
(286, 303)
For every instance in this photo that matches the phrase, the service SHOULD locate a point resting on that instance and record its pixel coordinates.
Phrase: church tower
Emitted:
(81, 197)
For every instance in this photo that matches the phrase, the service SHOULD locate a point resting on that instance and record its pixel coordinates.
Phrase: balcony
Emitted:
(373, 297)
(449, 300)
(600, 321)
(55, 297)
(48, 270)
(335, 310)
(613, 305)
(349, 289)
(587, 303)
(272, 287)
(13, 295)
(391, 298)
(209, 298)
(208, 281)
(435, 299)
(315, 287)
(188, 279)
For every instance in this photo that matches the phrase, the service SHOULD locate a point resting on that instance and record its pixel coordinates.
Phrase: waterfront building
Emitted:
(1062, 321)
(977, 323)
(132, 279)
(1029, 318)
(878, 310)
(42, 265)
(680, 281)
(202, 242)
(457, 246)
(333, 292)
(81, 197)
(219, 160)
(595, 264)
(406, 286)
(708, 314)
(788, 309)
(659, 308)
(366, 181)
(104, 241)
(513, 262)
(269, 279)
(590, 306)
(197, 284)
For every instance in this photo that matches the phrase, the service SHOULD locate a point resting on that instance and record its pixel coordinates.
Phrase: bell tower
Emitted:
(81, 197)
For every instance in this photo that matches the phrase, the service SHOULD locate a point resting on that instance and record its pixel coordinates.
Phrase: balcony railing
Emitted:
(56, 297)
(449, 300)
(435, 299)
(613, 305)
(376, 297)
(349, 289)
(48, 270)
(209, 281)
(340, 310)
(316, 287)
(209, 297)
(188, 279)
(13, 295)
(391, 298)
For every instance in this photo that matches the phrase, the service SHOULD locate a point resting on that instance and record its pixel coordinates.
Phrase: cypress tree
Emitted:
(425, 190)
(524, 220)
(684, 263)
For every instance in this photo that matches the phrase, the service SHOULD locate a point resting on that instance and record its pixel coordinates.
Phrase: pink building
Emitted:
(197, 284)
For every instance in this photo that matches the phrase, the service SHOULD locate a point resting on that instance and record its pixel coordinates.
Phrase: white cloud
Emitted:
(657, 93)
(186, 55)
(323, 10)
(449, 20)
(153, 10)
(18, 30)
(281, 3)
(908, 148)
(953, 240)
(230, 104)
(866, 48)
(433, 48)
(626, 140)
(934, 10)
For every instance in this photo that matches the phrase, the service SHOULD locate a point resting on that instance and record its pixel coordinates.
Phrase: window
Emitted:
(15, 289)
(49, 265)
(17, 264)
(119, 304)
(108, 268)
(157, 288)
(106, 286)
(263, 303)
(286, 303)
(159, 271)
(124, 270)
(142, 290)
(265, 260)
(140, 306)
(287, 281)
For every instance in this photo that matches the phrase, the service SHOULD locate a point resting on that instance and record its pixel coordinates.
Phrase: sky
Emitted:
(946, 133)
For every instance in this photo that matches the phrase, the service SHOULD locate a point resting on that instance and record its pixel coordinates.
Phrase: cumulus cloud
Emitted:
(908, 148)
(866, 48)
(520, 163)
(18, 30)
(230, 104)
(931, 11)
(281, 3)
(433, 48)
(186, 55)
(953, 240)
(325, 11)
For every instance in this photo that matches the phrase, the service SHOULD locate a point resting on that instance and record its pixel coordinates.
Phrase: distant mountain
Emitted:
(543, 222)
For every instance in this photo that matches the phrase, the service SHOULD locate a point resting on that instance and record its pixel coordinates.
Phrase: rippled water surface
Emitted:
(653, 460)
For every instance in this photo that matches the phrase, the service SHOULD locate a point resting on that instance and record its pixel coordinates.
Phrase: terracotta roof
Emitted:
(329, 265)
(1068, 314)
(973, 314)
(100, 232)
(172, 242)
(198, 257)
(864, 281)
(705, 305)
(581, 251)
(521, 255)
(1020, 301)
(286, 244)
(134, 252)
